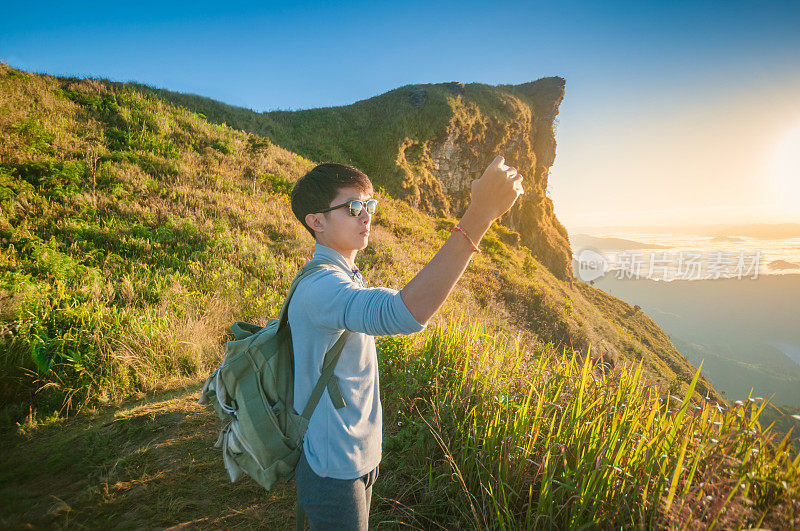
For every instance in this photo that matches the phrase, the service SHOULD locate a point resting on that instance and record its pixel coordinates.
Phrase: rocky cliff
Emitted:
(438, 171)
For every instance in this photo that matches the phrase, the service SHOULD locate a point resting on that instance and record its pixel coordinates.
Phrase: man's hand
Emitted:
(492, 196)
(497, 190)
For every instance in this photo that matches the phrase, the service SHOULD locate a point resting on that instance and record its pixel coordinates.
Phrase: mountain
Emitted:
(777, 265)
(580, 241)
(744, 331)
(135, 231)
(761, 231)
(425, 144)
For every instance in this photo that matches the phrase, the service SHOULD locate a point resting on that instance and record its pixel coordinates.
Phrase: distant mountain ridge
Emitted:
(580, 241)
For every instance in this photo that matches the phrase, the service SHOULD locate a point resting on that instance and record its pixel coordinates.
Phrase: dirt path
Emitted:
(150, 464)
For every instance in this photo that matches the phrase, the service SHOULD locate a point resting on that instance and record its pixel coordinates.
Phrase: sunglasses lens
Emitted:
(355, 208)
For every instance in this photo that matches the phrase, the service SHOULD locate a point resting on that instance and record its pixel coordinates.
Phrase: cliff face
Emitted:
(437, 173)
(426, 143)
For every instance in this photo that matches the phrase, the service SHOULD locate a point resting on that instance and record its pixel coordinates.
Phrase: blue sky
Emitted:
(632, 69)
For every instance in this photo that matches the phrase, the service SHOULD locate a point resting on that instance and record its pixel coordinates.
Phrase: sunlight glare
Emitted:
(786, 174)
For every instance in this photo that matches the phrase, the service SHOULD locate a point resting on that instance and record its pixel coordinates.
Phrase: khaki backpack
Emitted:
(253, 391)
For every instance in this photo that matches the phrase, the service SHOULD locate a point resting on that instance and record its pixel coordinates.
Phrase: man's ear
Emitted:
(314, 221)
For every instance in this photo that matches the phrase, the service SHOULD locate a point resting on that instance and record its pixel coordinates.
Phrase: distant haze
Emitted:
(744, 331)
(764, 231)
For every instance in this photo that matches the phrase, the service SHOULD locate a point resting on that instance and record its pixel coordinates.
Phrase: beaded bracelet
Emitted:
(472, 243)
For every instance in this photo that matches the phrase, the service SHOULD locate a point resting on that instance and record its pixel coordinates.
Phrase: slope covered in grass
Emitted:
(482, 431)
(425, 144)
(134, 232)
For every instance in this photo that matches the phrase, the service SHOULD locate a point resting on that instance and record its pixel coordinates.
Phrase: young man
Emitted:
(342, 447)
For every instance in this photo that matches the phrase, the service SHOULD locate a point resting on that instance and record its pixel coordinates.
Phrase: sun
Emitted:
(786, 174)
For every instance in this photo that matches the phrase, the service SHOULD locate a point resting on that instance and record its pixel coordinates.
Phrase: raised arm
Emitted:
(492, 196)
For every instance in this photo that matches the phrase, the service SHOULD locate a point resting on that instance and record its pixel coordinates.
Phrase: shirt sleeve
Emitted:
(330, 299)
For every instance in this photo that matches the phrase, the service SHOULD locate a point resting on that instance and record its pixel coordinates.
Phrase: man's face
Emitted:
(341, 231)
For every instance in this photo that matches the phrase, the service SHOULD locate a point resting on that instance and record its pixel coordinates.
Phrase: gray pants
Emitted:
(334, 503)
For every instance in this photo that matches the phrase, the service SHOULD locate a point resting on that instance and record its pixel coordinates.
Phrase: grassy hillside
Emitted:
(134, 232)
(366, 134)
(424, 144)
(482, 431)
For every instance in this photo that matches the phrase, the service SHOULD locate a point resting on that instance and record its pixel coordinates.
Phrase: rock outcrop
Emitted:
(438, 172)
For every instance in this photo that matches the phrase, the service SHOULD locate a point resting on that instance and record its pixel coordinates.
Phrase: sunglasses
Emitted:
(355, 207)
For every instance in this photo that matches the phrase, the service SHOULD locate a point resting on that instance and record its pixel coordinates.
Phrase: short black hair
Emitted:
(315, 190)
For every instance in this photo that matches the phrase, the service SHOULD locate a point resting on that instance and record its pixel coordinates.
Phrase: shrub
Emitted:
(57, 180)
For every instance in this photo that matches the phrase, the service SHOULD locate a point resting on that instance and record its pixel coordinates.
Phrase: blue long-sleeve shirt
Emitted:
(343, 443)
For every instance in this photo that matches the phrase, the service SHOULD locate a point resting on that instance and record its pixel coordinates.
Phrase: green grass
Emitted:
(142, 230)
(135, 232)
(538, 439)
(126, 242)
(481, 430)
(388, 137)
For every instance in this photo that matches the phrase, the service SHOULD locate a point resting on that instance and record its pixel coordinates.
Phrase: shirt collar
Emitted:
(325, 252)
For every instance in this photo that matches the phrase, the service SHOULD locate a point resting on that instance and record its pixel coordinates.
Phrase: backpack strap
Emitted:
(310, 267)
(327, 378)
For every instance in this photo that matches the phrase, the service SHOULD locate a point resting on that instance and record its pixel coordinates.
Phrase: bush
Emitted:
(57, 180)
(35, 136)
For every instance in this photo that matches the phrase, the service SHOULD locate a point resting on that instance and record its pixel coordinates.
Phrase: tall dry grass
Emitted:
(519, 436)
